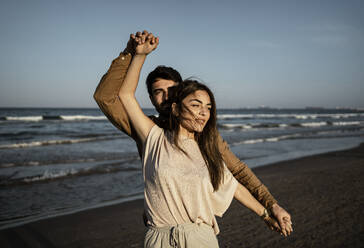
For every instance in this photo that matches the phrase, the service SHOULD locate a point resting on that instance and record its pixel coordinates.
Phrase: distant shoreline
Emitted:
(237, 108)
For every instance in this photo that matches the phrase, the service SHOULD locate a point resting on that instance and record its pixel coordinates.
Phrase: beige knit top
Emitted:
(178, 189)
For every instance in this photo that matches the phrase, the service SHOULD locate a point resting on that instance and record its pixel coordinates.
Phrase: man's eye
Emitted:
(194, 105)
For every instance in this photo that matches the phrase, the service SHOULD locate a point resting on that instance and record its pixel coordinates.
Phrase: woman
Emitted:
(186, 181)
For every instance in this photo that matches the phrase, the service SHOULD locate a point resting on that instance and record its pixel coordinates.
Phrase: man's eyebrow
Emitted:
(194, 99)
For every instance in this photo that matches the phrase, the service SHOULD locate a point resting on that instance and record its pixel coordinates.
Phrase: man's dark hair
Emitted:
(163, 72)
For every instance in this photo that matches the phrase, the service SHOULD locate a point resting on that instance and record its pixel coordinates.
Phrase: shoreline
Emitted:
(252, 166)
(310, 188)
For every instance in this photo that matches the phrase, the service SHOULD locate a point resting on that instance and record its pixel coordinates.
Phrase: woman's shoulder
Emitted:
(154, 132)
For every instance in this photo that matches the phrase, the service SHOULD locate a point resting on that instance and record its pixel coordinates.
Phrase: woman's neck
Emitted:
(184, 133)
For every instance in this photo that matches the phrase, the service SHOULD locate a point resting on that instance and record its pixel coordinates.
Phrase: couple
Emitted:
(190, 174)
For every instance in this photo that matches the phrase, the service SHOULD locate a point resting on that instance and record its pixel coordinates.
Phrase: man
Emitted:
(158, 83)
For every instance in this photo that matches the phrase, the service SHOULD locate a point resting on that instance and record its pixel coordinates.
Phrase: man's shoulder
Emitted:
(161, 122)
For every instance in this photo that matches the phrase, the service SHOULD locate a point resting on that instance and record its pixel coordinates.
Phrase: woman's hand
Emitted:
(144, 42)
(284, 219)
(272, 224)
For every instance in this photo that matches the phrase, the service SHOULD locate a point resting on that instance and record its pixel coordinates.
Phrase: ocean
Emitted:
(59, 161)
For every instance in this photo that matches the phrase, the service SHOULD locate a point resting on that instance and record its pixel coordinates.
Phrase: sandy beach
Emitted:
(323, 193)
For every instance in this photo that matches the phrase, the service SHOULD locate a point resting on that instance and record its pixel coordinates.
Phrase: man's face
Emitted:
(159, 95)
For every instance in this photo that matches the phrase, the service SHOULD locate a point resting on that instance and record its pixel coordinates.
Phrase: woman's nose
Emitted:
(203, 111)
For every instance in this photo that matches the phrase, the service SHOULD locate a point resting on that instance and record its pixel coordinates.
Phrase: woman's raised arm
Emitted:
(145, 43)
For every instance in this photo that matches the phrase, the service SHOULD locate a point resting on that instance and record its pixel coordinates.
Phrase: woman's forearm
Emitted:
(245, 198)
(132, 76)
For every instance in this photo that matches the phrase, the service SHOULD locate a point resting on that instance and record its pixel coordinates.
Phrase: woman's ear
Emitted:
(174, 110)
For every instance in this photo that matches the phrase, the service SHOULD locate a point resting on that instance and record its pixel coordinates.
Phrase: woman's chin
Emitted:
(198, 129)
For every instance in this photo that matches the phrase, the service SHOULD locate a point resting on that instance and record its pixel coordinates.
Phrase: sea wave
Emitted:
(286, 125)
(24, 118)
(48, 175)
(288, 116)
(53, 142)
(54, 117)
(346, 123)
(268, 139)
(82, 117)
(313, 124)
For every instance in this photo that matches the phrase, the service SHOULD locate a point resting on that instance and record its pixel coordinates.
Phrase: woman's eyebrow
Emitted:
(194, 99)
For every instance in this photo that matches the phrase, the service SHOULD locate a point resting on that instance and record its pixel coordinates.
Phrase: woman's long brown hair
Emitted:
(207, 139)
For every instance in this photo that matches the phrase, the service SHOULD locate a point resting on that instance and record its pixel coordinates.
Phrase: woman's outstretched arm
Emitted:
(145, 44)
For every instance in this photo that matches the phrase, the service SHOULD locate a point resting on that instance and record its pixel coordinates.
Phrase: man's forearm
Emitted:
(245, 176)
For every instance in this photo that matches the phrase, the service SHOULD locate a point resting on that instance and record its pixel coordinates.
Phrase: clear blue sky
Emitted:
(251, 53)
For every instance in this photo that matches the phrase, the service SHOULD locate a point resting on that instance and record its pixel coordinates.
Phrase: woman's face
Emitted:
(195, 111)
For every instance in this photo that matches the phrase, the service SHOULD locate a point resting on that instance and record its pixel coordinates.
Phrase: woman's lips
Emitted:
(199, 121)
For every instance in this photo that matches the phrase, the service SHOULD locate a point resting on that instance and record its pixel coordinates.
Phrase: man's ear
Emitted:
(175, 112)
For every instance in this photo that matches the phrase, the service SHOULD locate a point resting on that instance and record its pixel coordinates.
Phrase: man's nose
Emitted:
(165, 95)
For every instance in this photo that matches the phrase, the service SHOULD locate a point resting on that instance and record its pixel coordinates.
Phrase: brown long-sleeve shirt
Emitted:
(106, 96)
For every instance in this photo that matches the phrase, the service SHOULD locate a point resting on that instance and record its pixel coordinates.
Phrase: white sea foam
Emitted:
(295, 116)
(346, 123)
(46, 143)
(304, 117)
(62, 117)
(314, 124)
(51, 175)
(270, 139)
(233, 125)
(24, 118)
(254, 141)
(235, 116)
(82, 117)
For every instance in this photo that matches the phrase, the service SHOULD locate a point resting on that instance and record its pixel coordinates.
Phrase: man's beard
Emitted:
(164, 109)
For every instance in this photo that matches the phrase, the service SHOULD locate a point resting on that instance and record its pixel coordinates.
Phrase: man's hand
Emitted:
(130, 47)
(144, 42)
(283, 218)
(139, 39)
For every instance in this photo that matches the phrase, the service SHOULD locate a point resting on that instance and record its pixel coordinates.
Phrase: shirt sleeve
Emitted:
(152, 143)
(106, 94)
(245, 175)
(222, 198)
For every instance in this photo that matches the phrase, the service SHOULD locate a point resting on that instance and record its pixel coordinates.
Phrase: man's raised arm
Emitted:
(106, 94)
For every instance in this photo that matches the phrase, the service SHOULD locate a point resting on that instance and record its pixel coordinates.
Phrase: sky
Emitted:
(285, 54)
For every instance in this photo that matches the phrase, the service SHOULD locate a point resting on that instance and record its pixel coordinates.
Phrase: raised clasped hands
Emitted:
(142, 43)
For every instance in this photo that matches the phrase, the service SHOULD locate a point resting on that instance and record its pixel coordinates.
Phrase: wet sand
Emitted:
(323, 193)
